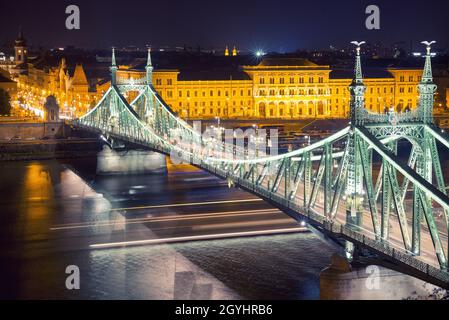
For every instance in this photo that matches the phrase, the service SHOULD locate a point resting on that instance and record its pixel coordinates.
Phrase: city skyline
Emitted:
(249, 26)
(209, 150)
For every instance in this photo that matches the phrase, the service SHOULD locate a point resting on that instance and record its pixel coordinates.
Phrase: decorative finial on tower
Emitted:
(358, 76)
(20, 36)
(113, 68)
(114, 64)
(149, 68)
(149, 63)
(20, 41)
(427, 72)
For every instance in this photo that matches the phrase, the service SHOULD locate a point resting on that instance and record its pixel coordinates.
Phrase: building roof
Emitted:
(282, 61)
(368, 73)
(211, 75)
(79, 76)
(409, 63)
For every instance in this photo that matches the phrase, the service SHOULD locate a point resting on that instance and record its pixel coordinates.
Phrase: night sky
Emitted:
(277, 25)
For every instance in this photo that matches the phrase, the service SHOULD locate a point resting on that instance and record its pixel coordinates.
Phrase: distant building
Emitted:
(74, 90)
(275, 88)
(6, 63)
(234, 51)
(20, 49)
(20, 55)
(16, 64)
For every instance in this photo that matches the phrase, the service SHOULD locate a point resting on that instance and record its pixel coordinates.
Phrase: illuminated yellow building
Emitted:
(281, 88)
(276, 88)
(72, 92)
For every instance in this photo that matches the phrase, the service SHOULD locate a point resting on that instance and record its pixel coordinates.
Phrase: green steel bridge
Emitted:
(351, 186)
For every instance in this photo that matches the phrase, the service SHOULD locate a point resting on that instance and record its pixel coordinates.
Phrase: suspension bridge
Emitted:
(353, 186)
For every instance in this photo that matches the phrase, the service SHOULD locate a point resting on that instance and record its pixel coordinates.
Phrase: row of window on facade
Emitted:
(410, 78)
(273, 92)
(214, 112)
(292, 92)
(272, 80)
(263, 111)
(159, 82)
(211, 103)
(211, 93)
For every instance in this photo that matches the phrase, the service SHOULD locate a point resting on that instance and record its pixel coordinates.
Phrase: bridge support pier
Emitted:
(354, 220)
(345, 281)
(110, 161)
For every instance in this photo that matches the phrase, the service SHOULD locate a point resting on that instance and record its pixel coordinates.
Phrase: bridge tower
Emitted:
(415, 126)
(354, 185)
(427, 88)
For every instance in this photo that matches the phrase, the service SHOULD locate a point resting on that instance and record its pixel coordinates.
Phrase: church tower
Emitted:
(234, 51)
(227, 51)
(20, 49)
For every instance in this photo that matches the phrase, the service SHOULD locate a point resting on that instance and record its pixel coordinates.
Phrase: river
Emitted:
(53, 211)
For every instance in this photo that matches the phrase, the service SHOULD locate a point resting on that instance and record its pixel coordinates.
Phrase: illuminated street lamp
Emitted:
(308, 140)
(259, 53)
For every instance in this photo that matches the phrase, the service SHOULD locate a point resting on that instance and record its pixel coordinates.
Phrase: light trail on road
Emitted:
(187, 204)
(105, 223)
(198, 237)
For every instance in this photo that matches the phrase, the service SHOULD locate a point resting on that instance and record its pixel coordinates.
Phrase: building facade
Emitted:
(286, 88)
(276, 88)
(72, 89)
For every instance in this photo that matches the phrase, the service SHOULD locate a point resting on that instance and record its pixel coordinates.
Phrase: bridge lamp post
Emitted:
(256, 139)
(208, 142)
(308, 139)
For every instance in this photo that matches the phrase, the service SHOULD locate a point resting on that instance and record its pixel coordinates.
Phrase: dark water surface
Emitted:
(42, 201)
